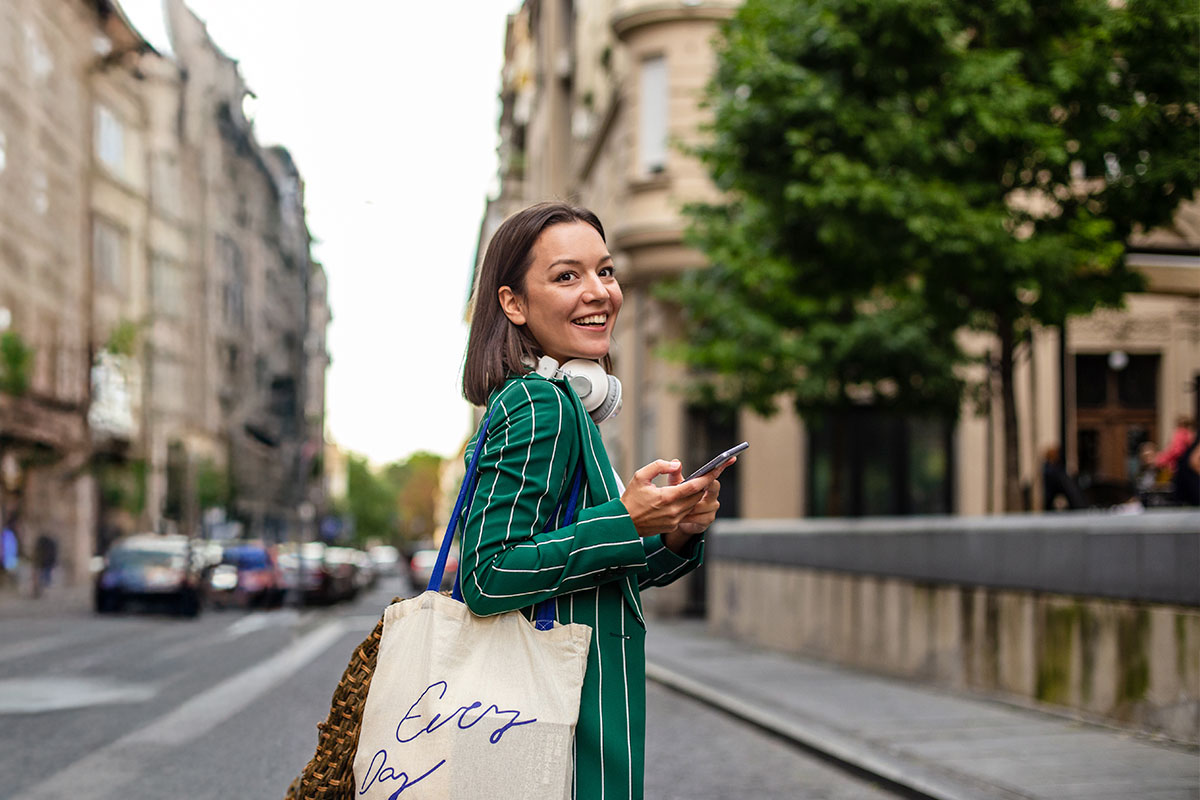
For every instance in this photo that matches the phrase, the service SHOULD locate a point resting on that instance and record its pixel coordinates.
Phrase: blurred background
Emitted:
(938, 263)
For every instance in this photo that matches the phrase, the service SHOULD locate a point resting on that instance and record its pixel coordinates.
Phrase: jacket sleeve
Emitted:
(664, 566)
(507, 561)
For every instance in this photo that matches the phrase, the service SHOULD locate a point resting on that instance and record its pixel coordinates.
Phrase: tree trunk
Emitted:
(1012, 469)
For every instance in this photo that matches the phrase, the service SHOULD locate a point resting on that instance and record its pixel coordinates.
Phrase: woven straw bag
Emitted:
(329, 775)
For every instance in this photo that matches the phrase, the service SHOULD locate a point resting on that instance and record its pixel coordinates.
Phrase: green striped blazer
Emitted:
(596, 567)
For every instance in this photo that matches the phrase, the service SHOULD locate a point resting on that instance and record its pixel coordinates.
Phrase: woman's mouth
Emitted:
(591, 321)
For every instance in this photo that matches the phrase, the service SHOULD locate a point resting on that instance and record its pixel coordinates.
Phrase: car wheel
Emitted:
(188, 604)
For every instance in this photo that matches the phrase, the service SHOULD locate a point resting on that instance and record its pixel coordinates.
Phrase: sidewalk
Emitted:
(56, 600)
(935, 743)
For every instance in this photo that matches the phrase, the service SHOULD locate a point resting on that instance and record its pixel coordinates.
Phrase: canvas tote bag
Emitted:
(465, 707)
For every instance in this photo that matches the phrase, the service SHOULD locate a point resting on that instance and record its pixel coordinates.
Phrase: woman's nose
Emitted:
(594, 289)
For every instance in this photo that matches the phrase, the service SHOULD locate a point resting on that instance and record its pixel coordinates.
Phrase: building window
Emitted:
(652, 122)
(164, 183)
(866, 462)
(109, 254)
(168, 384)
(233, 294)
(41, 64)
(166, 287)
(110, 140)
(41, 192)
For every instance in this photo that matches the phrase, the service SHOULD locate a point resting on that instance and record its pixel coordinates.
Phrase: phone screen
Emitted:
(719, 460)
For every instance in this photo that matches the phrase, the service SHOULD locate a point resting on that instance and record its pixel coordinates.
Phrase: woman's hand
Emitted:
(661, 509)
(702, 515)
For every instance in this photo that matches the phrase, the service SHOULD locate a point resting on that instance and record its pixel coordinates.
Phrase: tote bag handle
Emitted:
(544, 613)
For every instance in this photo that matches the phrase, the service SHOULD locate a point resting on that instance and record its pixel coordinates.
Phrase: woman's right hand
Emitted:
(660, 509)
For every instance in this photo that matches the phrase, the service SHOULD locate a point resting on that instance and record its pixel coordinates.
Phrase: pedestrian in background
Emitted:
(1187, 475)
(1059, 489)
(10, 548)
(548, 287)
(45, 557)
(1181, 440)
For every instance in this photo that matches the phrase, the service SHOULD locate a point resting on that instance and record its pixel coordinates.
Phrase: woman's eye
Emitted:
(608, 272)
(565, 276)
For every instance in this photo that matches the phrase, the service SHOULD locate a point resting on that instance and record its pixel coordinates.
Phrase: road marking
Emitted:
(116, 764)
(38, 695)
(31, 647)
(258, 620)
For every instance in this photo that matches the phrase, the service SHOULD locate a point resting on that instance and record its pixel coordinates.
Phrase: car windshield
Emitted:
(126, 558)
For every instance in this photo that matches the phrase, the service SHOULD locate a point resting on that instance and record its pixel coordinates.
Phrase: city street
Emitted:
(141, 706)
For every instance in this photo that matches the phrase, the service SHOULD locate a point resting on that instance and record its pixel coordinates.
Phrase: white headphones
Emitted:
(599, 391)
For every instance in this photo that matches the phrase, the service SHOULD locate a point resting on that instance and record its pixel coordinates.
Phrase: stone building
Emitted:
(600, 100)
(71, 187)
(252, 249)
(163, 322)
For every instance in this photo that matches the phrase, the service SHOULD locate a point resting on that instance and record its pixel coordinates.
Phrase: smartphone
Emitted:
(719, 460)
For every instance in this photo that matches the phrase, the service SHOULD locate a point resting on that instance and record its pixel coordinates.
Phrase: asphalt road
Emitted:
(145, 706)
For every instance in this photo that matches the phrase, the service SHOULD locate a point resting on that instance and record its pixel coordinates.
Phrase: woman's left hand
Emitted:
(697, 522)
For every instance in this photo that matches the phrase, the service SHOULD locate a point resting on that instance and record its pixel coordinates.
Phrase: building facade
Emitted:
(162, 322)
(600, 101)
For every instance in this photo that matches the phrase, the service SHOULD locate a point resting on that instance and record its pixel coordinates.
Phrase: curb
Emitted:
(914, 777)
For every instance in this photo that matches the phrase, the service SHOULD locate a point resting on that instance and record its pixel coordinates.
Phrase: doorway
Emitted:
(1116, 398)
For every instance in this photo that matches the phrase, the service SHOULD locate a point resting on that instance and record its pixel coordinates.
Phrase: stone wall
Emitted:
(1126, 660)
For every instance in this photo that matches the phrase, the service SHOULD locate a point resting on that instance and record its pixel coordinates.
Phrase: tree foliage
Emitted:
(16, 363)
(396, 503)
(897, 170)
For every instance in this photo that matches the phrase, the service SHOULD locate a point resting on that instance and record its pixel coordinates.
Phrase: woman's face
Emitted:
(571, 297)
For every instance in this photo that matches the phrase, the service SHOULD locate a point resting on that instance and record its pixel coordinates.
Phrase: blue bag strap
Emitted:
(544, 612)
(467, 491)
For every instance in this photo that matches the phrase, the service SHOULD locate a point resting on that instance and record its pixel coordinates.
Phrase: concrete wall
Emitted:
(970, 604)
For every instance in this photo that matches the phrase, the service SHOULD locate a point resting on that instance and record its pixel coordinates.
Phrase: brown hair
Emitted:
(497, 348)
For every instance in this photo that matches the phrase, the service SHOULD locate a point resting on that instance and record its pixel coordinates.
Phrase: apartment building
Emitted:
(69, 191)
(599, 102)
(163, 322)
(253, 251)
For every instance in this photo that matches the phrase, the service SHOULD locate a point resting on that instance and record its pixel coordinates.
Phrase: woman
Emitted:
(547, 287)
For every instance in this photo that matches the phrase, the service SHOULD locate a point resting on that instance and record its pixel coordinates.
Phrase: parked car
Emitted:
(366, 575)
(421, 569)
(386, 559)
(324, 574)
(300, 569)
(342, 566)
(248, 575)
(151, 569)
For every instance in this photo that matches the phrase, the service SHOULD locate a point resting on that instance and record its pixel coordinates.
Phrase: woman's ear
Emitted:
(511, 305)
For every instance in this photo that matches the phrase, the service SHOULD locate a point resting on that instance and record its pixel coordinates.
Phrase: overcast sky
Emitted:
(390, 110)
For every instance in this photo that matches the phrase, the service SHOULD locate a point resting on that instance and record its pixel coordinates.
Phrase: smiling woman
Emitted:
(548, 290)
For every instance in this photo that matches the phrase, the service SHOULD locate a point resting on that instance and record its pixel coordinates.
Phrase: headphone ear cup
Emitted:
(599, 391)
(611, 406)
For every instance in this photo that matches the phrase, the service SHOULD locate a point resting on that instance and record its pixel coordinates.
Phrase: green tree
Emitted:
(417, 482)
(897, 170)
(212, 485)
(370, 501)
